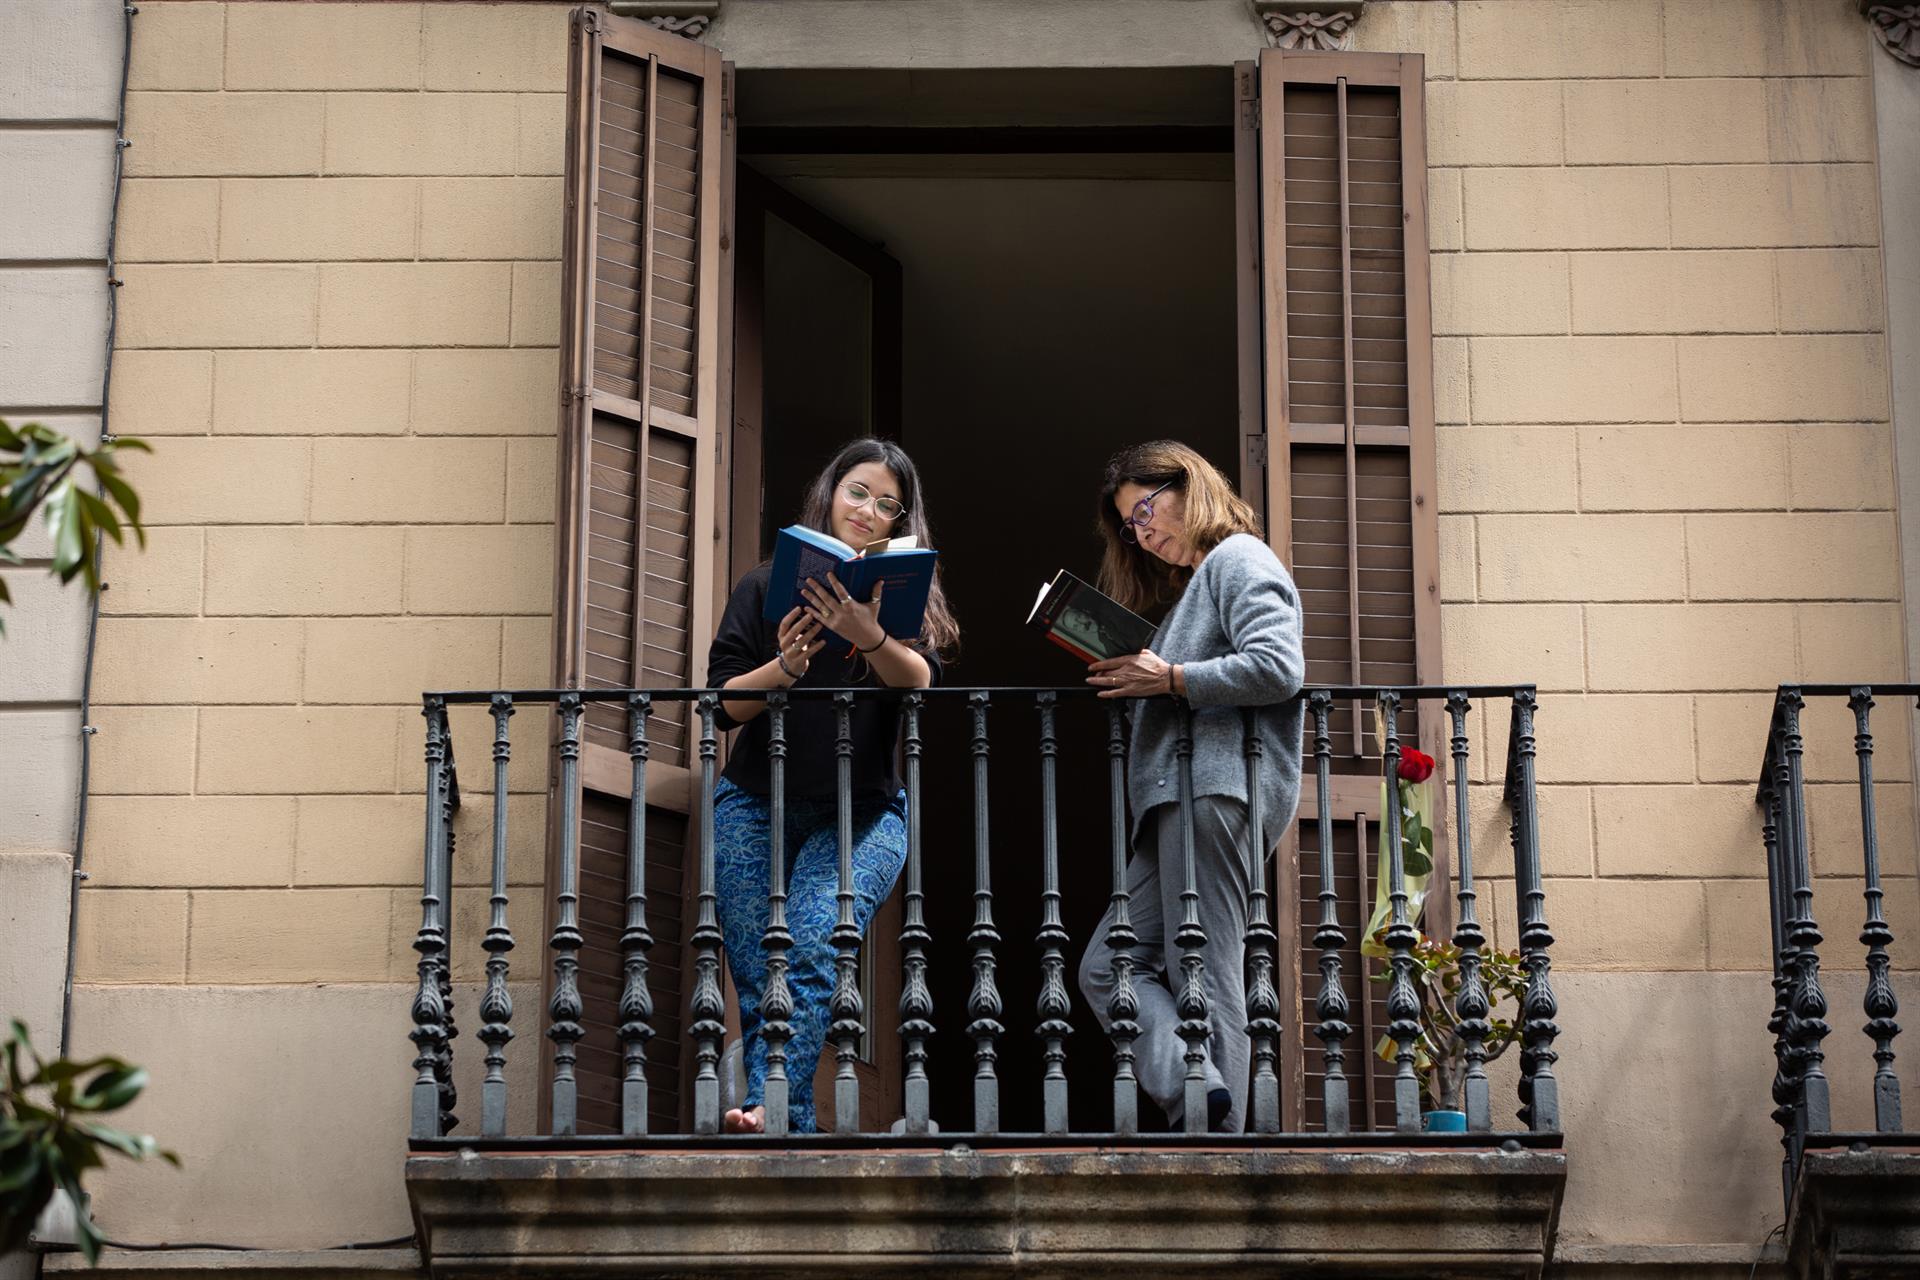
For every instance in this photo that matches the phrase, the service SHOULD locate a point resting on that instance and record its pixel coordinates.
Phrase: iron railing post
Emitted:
(565, 1009)
(1123, 1006)
(1403, 999)
(449, 804)
(496, 1006)
(846, 1005)
(983, 1000)
(1471, 1007)
(1779, 893)
(1879, 1003)
(1807, 1028)
(636, 1000)
(1330, 1006)
(1263, 1000)
(707, 1006)
(429, 1033)
(916, 999)
(1191, 938)
(1539, 1090)
(776, 1002)
(1052, 1005)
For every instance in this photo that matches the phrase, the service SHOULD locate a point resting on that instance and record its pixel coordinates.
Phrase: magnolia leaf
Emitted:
(112, 1089)
(55, 1072)
(122, 492)
(89, 1237)
(100, 515)
(63, 516)
(20, 1166)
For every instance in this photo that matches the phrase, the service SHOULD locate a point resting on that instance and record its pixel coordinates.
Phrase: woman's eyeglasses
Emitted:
(858, 495)
(1142, 514)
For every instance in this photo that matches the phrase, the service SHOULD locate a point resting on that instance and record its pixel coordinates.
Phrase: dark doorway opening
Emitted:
(1056, 305)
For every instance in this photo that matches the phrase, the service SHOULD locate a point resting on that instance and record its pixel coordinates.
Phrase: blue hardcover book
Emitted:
(800, 553)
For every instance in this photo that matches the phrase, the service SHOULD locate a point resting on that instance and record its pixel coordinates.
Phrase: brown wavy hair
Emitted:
(1129, 572)
(938, 631)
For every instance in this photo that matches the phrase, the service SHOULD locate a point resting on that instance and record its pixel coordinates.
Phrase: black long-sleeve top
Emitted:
(745, 640)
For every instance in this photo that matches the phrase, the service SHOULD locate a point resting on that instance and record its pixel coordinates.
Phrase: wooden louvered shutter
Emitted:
(1349, 482)
(642, 521)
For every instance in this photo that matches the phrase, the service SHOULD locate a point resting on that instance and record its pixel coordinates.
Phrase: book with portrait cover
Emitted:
(1086, 623)
(905, 566)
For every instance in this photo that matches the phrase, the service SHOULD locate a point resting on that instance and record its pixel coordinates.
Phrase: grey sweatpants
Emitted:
(1154, 882)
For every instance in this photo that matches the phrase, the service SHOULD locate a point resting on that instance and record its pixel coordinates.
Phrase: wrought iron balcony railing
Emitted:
(1801, 1092)
(433, 1097)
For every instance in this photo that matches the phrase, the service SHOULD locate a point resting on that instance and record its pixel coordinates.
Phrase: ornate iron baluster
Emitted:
(707, 1005)
(1470, 1007)
(1808, 1026)
(496, 1007)
(776, 1003)
(443, 1069)
(1123, 1007)
(1879, 1003)
(1403, 999)
(1773, 783)
(916, 1001)
(848, 1011)
(983, 1001)
(1053, 1005)
(1263, 1000)
(429, 1033)
(565, 1009)
(1539, 1090)
(636, 1000)
(1330, 1007)
(1191, 938)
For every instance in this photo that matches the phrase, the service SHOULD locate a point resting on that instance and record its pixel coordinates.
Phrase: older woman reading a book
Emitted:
(869, 493)
(1176, 532)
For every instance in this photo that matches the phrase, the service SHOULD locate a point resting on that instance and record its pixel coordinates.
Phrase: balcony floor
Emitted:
(960, 1210)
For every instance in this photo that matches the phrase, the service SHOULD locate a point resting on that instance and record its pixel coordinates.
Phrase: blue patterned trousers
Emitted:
(742, 827)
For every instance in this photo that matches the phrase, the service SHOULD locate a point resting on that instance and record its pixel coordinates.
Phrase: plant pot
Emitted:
(1443, 1121)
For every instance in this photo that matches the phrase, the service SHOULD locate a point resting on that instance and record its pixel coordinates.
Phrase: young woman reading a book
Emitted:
(869, 493)
(1176, 532)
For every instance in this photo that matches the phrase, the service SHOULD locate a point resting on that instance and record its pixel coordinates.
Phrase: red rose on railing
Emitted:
(1415, 765)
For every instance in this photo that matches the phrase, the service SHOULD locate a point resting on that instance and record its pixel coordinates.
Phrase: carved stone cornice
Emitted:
(1309, 24)
(1896, 25)
(689, 18)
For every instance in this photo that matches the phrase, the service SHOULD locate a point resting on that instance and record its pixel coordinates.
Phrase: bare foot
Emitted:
(751, 1120)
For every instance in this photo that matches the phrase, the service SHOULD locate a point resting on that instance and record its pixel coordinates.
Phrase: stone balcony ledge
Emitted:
(962, 1212)
(1856, 1209)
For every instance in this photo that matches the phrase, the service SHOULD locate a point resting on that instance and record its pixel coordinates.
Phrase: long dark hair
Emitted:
(1214, 512)
(939, 631)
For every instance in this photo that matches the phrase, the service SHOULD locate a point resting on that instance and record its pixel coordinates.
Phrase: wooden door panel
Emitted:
(641, 524)
(1334, 149)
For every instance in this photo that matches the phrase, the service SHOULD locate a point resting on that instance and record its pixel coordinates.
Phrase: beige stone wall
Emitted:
(1666, 476)
(339, 234)
(340, 228)
(1666, 485)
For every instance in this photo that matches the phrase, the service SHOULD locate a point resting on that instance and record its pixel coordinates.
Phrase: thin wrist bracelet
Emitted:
(781, 658)
(876, 648)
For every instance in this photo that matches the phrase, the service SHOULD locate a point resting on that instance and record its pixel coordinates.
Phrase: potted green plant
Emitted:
(1440, 1051)
(51, 1135)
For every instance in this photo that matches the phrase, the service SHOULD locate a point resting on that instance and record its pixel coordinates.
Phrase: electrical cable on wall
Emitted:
(120, 145)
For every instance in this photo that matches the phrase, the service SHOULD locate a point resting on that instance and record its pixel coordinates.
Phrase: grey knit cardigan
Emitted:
(1236, 633)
